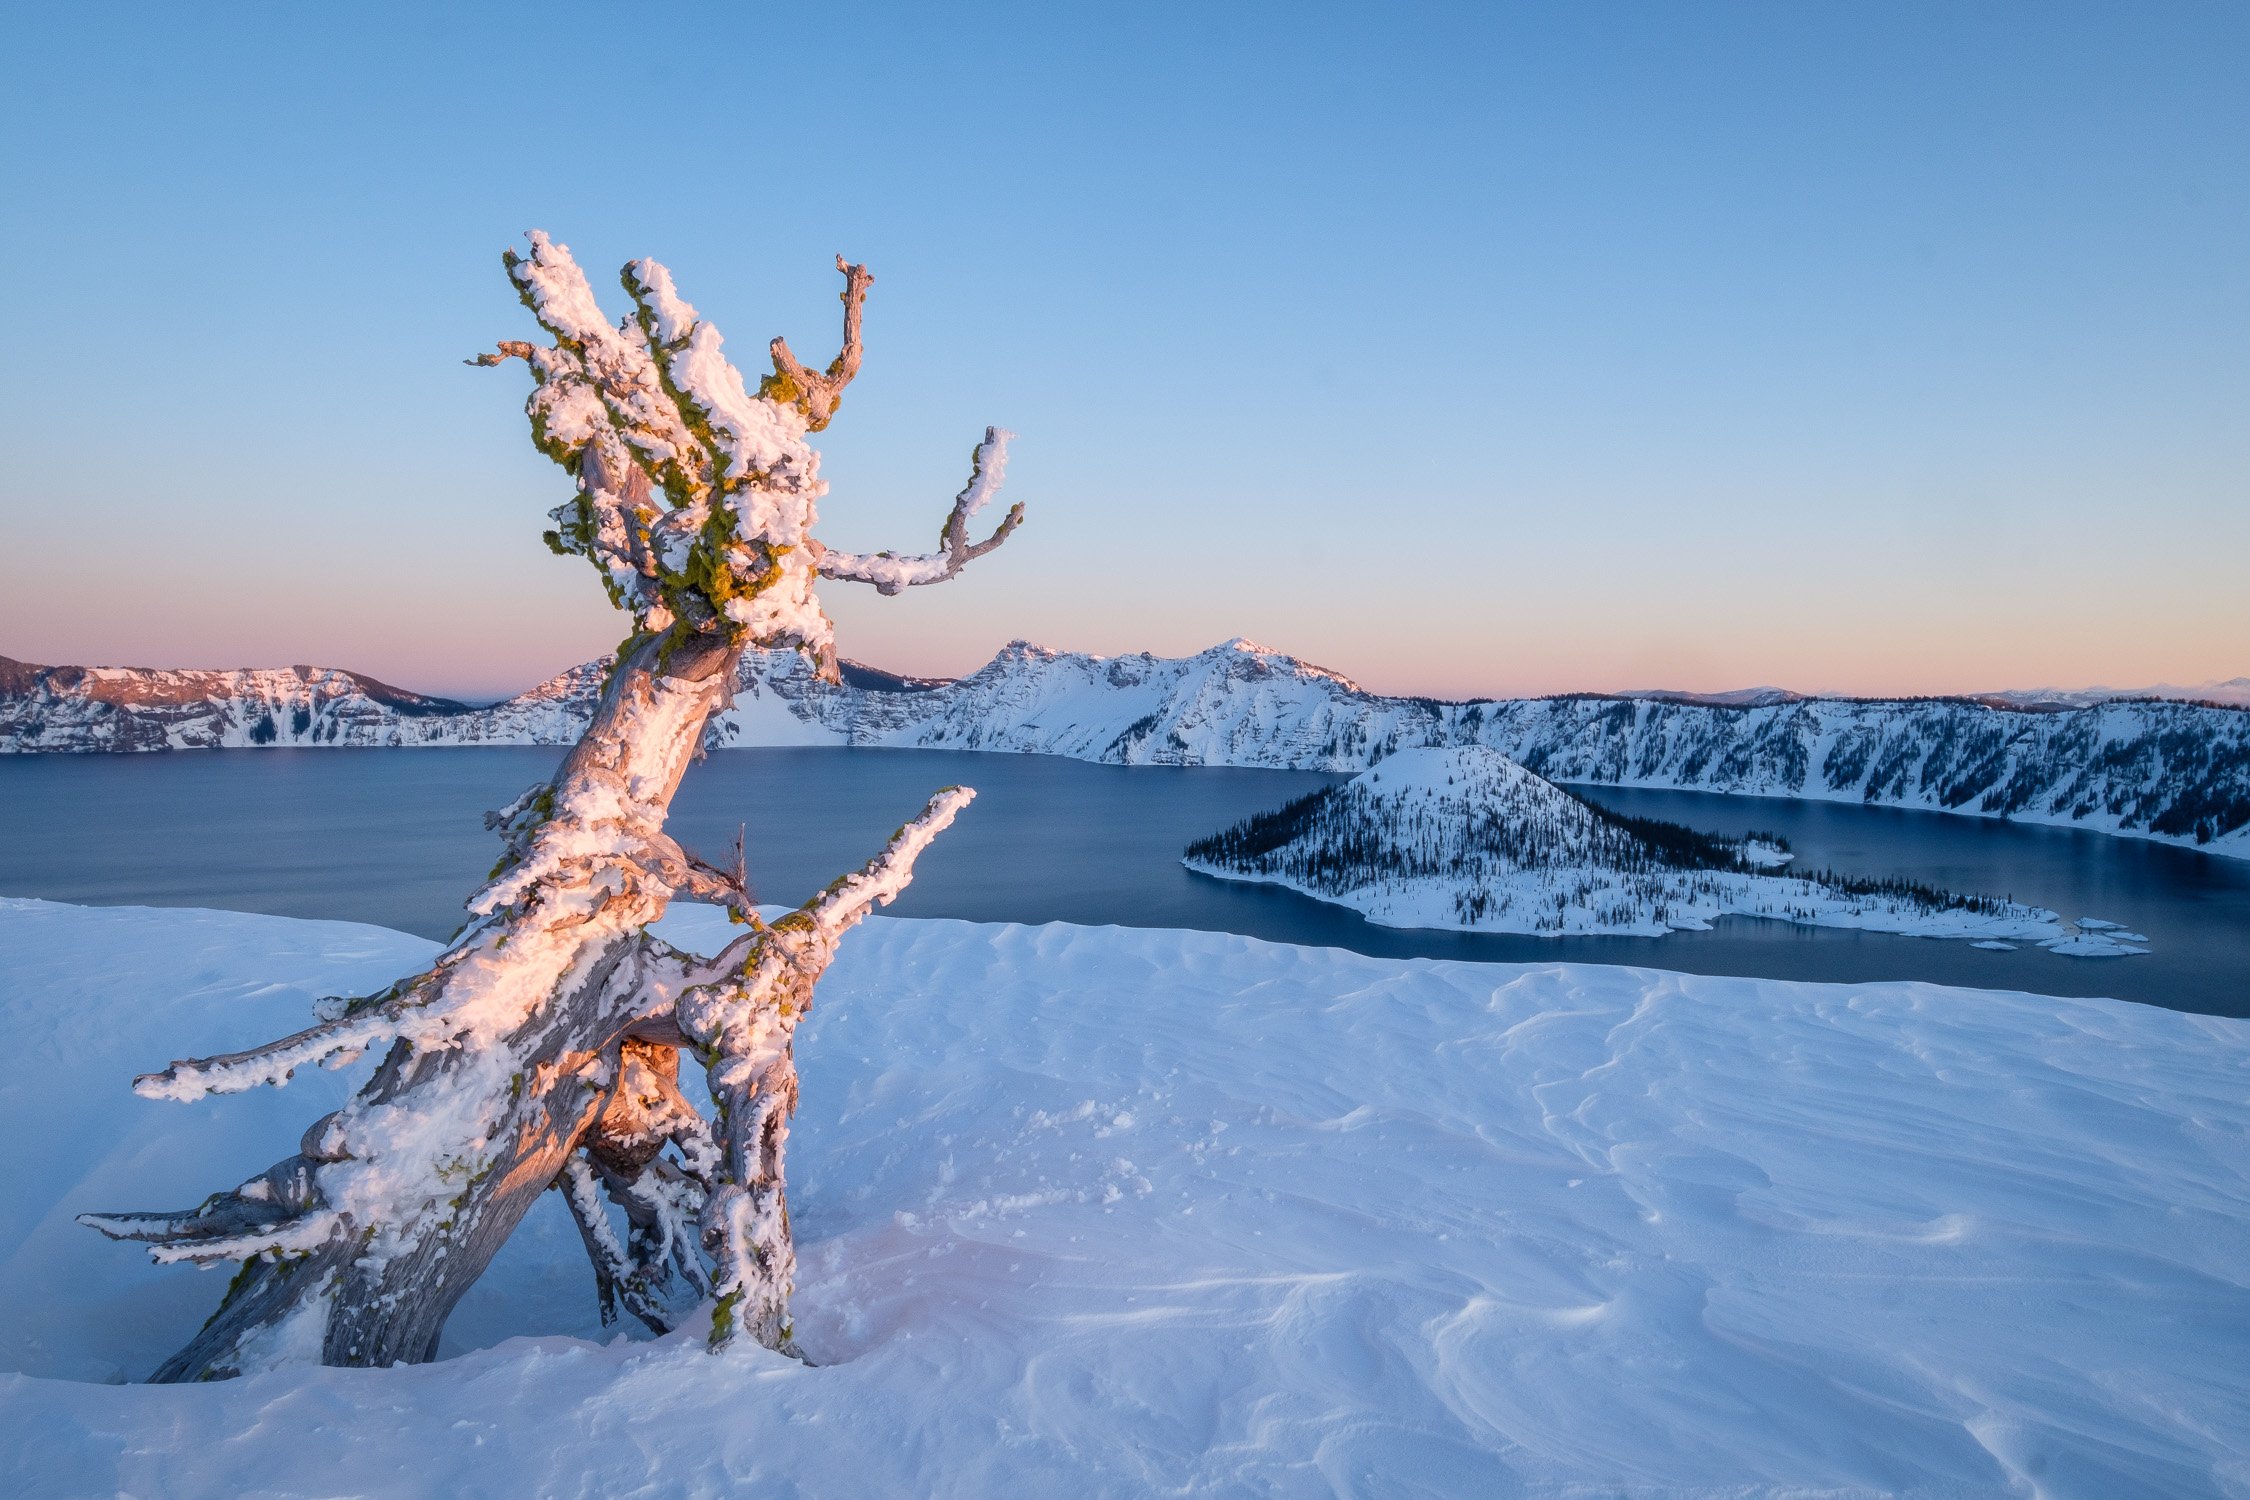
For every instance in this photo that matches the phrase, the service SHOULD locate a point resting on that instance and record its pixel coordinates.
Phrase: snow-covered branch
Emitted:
(542, 1048)
(349, 1030)
(744, 1024)
(658, 1266)
(334, 1042)
(879, 881)
(890, 573)
(279, 1210)
(697, 494)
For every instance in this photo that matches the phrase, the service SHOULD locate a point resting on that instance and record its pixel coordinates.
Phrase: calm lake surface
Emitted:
(396, 837)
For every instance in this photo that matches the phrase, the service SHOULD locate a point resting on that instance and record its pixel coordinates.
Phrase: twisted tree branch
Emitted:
(744, 1023)
(509, 349)
(890, 573)
(542, 1048)
(816, 395)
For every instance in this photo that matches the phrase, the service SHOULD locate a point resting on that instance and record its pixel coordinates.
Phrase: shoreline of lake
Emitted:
(395, 837)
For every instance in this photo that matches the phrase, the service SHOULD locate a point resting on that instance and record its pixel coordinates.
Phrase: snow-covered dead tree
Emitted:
(542, 1048)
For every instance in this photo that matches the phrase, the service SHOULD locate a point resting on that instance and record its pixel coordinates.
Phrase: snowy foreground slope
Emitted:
(1465, 839)
(1112, 1212)
(2172, 771)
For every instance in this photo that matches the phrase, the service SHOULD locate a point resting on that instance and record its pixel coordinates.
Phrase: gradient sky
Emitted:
(1465, 349)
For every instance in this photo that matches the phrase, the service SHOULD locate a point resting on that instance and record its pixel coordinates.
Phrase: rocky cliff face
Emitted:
(2174, 771)
(132, 708)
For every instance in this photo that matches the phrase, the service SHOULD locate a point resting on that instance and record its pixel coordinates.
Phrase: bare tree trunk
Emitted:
(539, 1050)
(392, 1267)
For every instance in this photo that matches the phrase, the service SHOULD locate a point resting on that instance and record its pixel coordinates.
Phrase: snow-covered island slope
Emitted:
(2173, 771)
(1467, 839)
(1112, 1212)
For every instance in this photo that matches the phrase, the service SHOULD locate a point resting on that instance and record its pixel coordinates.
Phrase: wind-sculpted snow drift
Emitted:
(2173, 771)
(1098, 1211)
(1465, 838)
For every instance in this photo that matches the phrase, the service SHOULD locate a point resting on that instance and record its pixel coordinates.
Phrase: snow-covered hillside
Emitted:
(1097, 1212)
(2233, 691)
(2172, 771)
(139, 708)
(1466, 839)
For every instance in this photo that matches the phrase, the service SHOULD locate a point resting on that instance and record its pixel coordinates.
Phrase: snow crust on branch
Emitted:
(568, 918)
(653, 406)
(611, 1263)
(890, 573)
(541, 1048)
(174, 1240)
(658, 1266)
(745, 1023)
(336, 1043)
(597, 379)
(751, 437)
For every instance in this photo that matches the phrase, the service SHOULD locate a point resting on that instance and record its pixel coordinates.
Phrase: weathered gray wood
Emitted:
(566, 1057)
(510, 1054)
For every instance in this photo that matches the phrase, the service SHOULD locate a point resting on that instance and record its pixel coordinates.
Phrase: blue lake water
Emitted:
(396, 837)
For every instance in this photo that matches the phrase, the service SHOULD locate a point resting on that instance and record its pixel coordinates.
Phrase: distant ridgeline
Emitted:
(1465, 838)
(2173, 771)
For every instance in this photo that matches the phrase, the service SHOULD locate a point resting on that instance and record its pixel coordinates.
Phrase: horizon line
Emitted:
(1743, 696)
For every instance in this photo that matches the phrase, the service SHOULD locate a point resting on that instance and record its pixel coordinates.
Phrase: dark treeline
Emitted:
(1346, 839)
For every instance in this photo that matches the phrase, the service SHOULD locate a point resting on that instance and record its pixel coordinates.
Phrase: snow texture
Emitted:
(721, 443)
(1465, 839)
(1097, 1212)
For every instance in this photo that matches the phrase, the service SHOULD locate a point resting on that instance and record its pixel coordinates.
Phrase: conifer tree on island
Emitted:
(542, 1049)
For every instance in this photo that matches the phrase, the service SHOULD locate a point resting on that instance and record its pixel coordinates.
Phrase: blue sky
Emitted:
(1462, 348)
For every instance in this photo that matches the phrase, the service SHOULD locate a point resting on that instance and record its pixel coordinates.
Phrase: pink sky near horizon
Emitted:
(1729, 645)
(1465, 350)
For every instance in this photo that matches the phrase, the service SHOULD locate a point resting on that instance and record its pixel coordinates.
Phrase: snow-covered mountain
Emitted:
(1466, 839)
(2233, 692)
(2173, 771)
(140, 708)
(1756, 697)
